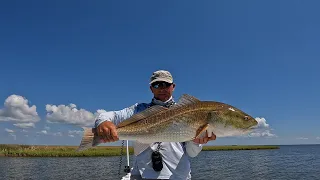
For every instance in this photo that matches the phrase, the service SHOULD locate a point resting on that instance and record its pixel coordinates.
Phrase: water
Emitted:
(288, 162)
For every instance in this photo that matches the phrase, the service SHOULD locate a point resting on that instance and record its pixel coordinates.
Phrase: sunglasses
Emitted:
(158, 85)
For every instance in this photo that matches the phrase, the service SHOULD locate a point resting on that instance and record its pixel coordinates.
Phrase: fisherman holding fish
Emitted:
(158, 160)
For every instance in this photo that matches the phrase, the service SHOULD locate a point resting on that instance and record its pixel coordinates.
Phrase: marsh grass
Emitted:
(59, 151)
(69, 151)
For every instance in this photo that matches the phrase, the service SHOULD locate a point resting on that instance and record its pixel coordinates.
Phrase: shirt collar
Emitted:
(169, 102)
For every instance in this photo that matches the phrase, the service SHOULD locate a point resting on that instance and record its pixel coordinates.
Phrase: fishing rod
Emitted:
(127, 167)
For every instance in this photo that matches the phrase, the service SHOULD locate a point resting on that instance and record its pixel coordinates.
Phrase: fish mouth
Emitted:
(253, 127)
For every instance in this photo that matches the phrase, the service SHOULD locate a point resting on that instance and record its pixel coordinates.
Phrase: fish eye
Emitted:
(246, 118)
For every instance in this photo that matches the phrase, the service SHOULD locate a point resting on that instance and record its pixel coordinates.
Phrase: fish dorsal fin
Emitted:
(186, 99)
(142, 115)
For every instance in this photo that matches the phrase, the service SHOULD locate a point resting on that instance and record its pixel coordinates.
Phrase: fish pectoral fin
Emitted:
(201, 130)
(142, 115)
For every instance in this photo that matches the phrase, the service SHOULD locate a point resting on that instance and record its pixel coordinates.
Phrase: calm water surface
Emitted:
(288, 162)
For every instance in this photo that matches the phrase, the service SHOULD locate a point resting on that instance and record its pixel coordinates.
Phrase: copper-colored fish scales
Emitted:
(159, 123)
(182, 122)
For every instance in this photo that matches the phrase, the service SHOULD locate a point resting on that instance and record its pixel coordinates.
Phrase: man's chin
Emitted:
(163, 97)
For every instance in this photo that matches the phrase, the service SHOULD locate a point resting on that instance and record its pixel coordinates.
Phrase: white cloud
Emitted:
(262, 123)
(57, 134)
(43, 132)
(71, 135)
(262, 129)
(11, 133)
(16, 109)
(318, 138)
(75, 132)
(24, 125)
(265, 133)
(14, 136)
(9, 130)
(69, 114)
(47, 128)
(302, 138)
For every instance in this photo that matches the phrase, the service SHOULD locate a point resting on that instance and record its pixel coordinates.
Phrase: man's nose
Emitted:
(163, 89)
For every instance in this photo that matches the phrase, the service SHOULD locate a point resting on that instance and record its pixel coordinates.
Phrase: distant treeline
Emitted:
(69, 151)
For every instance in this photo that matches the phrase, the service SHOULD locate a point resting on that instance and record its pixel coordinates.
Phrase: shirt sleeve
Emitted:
(116, 116)
(193, 149)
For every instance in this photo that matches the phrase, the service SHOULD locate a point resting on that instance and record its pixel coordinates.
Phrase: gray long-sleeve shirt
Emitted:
(175, 155)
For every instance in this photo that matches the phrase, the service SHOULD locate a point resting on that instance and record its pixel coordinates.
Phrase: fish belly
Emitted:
(223, 130)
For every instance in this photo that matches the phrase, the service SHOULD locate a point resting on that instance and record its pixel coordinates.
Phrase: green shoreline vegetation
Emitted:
(69, 151)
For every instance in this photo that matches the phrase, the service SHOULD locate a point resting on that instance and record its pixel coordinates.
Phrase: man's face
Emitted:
(162, 90)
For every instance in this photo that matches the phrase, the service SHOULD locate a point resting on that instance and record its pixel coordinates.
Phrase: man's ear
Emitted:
(151, 89)
(173, 85)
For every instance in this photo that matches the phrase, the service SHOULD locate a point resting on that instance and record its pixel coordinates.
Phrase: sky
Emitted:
(64, 62)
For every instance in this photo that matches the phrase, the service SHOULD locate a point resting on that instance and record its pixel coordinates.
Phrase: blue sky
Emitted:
(262, 57)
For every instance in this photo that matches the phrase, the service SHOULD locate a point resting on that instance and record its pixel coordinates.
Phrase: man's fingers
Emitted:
(106, 134)
(201, 140)
(114, 134)
(99, 131)
(110, 134)
(107, 131)
(205, 140)
(213, 137)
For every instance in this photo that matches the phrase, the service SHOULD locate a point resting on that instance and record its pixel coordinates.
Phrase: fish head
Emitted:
(234, 117)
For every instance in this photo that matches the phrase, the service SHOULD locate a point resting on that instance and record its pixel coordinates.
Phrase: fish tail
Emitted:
(89, 139)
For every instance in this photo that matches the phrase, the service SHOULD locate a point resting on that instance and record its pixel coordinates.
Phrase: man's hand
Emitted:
(205, 139)
(108, 131)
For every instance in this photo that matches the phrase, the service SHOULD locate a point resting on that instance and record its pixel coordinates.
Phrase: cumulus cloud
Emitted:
(69, 114)
(9, 130)
(262, 123)
(16, 109)
(302, 138)
(43, 132)
(14, 136)
(57, 134)
(24, 125)
(75, 132)
(70, 133)
(11, 133)
(262, 129)
(265, 133)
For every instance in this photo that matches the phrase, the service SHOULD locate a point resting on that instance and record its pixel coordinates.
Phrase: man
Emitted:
(175, 162)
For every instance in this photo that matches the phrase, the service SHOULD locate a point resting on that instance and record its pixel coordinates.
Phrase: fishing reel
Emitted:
(156, 158)
(127, 169)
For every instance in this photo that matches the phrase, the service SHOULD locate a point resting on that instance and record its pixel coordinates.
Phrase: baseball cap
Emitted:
(161, 75)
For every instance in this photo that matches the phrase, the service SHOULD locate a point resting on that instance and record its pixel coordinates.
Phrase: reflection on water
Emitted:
(288, 162)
